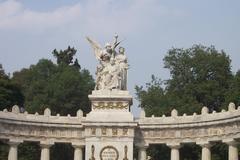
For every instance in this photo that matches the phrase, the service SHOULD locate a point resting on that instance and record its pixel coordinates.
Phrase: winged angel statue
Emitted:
(111, 73)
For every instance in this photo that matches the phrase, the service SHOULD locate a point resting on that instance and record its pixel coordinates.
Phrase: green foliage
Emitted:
(219, 151)
(10, 93)
(159, 152)
(60, 151)
(4, 148)
(200, 72)
(233, 94)
(200, 76)
(2, 73)
(153, 97)
(29, 151)
(190, 152)
(157, 101)
(63, 87)
(66, 56)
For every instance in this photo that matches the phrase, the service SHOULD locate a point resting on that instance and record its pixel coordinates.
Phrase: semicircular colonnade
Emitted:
(174, 131)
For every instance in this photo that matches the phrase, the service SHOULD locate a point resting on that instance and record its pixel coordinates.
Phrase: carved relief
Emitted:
(93, 131)
(39, 132)
(110, 105)
(125, 152)
(200, 132)
(109, 153)
(125, 131)
(114, 131)
(92, 153)
(215, 131)
(104, 131)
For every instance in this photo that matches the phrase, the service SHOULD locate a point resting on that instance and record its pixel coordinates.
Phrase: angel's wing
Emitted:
(96, 47)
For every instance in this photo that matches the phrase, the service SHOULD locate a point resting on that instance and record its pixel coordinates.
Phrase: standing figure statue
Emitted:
(111, 72)
(121, 61)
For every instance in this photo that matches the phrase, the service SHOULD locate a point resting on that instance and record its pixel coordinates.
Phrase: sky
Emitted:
(31, 29)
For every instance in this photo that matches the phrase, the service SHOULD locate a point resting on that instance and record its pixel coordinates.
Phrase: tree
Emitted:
(33, 83)
(200, 72)
(200, 76)
(62, 87)
(10, 93)
(233, 93)
(2, 73)
(66, 56)
(153, 98)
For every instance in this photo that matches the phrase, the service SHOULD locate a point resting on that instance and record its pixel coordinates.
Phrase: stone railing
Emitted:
(35, 127)
(16, 127)
(202, 129)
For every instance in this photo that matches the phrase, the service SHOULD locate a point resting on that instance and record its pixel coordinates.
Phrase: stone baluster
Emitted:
(13, 150)
(232, 149)
(206, 150)
(78, 153)
(45, 151)
(174, 151)
(142, 153)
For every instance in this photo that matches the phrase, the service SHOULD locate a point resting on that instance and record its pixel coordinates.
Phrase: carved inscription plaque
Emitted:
(109, 153)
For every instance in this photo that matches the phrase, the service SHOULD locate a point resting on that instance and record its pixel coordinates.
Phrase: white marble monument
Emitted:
(109, 127)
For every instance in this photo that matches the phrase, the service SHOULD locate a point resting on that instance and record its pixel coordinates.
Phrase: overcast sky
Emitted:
(31, 29)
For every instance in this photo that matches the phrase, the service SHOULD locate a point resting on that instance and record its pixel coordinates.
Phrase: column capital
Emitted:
(78, 145)
(142, 145)
(46, 144)
(205, 144)
(230, 142)
(174, 145)
(14, 142)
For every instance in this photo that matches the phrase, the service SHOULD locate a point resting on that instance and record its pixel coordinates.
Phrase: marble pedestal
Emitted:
(109, 127)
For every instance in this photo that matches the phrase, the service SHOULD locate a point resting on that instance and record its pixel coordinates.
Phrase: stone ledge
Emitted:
(109, 124)
(110, 95)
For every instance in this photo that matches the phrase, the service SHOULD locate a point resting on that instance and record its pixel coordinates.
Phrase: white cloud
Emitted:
(101, 16)
(13, 15)
(9, 8)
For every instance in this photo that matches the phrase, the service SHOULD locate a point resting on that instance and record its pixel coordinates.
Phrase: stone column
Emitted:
(232, 150)
(78, 154)
(206, 151)
(13, 150)
(45, 151)
(142, 153)
(174, 151)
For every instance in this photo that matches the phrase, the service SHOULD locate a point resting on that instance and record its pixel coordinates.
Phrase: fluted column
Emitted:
(206, 151)
(13, 150)
(174, 151)
(78, 154)
(142, 153)
(232, 150)
(45, 151)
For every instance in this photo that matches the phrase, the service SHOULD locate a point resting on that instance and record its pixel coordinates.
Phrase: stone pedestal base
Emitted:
(109, 127)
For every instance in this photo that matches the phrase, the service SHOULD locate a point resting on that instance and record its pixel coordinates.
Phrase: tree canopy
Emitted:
(199, 76)
(10, 93)
(62, 87)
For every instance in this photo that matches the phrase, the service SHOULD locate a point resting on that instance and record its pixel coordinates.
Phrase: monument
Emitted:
(109, 131)
(110, 125)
